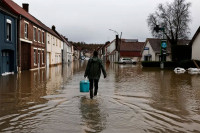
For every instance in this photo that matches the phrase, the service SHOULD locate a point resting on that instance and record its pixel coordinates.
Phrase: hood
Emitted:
(94, 59)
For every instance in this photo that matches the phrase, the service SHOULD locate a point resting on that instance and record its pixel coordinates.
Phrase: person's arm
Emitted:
(103, 69)
(87, 69)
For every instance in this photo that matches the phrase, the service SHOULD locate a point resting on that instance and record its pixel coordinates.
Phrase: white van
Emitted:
(127, 61)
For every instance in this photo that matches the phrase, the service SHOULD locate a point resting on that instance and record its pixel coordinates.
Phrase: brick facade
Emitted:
(39, 44)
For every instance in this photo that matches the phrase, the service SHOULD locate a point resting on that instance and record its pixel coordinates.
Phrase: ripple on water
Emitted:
(129, 100)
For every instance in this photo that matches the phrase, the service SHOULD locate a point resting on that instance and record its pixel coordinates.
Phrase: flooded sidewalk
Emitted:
(131, 99)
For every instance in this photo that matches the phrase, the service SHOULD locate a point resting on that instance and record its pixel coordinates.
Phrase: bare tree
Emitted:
(174, 18)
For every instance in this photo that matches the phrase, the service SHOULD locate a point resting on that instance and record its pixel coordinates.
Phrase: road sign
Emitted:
(164, 44)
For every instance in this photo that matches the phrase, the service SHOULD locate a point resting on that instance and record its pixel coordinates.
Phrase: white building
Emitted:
(67, 51)
(151, 51)
(54, 48)
(112, 53)
(195, 43)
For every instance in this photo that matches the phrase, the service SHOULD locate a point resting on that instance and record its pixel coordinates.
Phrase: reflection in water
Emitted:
(130, 99)
(54, 79)
(167, 100)
(92, 117)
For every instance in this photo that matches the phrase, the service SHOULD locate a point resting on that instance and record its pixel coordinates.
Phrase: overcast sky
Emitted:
(89, 20)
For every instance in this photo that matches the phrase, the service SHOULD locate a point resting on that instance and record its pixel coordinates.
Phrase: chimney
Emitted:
(117, 42)
(25, 6)
(53, 28)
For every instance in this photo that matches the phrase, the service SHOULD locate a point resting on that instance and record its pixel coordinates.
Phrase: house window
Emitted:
(8, 30)
(38, 35)
(48, 39)
(26, 31)
(43, 37)
(53, 41)
(34, 56)
(42, 57)
(34, 34)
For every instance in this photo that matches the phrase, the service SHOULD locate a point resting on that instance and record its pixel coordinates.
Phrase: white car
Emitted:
(127, 61)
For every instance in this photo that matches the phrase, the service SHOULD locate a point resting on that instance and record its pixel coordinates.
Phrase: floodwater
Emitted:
(131, 99)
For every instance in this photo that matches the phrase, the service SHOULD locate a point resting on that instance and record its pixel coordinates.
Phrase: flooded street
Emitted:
(131, 99)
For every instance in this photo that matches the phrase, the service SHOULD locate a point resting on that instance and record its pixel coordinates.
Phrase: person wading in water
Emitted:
(93, 72)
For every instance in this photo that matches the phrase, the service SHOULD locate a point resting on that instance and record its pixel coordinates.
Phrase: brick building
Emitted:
(32, 39)
(131, 48)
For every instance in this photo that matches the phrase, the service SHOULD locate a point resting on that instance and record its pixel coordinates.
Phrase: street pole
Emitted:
(118, 46)
(163, 47)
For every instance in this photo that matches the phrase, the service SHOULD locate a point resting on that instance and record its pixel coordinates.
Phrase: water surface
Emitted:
(131, 99)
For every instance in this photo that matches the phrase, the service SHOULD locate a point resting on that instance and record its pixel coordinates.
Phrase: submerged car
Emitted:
(127, 61)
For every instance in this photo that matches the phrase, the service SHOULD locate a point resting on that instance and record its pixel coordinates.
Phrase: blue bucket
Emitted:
(84, 86)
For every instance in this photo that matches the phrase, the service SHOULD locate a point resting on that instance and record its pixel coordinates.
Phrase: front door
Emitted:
(5, 61)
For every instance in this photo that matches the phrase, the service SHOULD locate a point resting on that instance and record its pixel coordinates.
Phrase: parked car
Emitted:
(82, 58)
(127, 61)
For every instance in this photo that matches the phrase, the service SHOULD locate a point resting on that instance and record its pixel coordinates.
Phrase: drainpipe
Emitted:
(46, 41)
(19, 44)
(16, 40)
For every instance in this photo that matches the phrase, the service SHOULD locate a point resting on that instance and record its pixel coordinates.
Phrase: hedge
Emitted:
(157, 64)
(184, 64)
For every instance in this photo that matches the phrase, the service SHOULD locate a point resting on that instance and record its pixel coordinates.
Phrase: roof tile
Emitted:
(131, 46)
(20, 11)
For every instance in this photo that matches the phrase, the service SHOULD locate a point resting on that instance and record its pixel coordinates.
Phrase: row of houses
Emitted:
(148, 50)
(28, 44)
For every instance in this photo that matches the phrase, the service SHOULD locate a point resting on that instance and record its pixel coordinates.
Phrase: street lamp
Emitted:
(114, 31)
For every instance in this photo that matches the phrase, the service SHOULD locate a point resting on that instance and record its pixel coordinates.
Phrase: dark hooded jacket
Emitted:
(94, 68)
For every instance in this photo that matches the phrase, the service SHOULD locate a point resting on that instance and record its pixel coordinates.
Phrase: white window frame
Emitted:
(39, 31)
(43, 35)
(8, 30)
(43, 56)
(25, 30)
(34, 33)
(35, 57)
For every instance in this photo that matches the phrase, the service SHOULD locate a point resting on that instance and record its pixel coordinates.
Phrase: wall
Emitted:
(54, 47)
(65, 49)
(150, 51)
(196, 48)
(67, 53)
(8, 46)
(37, 44)
(111, 47)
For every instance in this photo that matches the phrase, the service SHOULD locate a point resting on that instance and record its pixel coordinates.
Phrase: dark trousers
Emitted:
(93, 83)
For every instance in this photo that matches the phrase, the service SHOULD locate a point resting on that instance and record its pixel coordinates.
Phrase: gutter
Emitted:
(19, 44)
